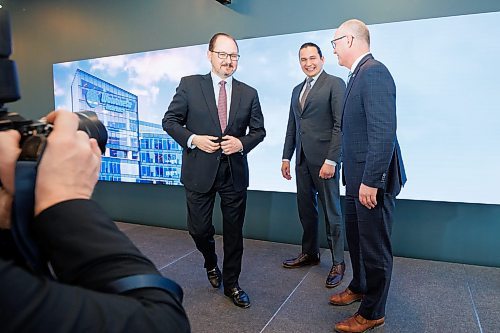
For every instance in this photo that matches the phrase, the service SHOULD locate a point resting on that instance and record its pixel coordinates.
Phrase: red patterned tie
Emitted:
(222, 105)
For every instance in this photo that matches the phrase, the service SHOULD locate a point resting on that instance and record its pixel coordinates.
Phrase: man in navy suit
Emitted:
(373, 175)
(217, 134)
(313, 133)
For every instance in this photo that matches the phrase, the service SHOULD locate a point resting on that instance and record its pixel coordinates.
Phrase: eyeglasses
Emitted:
(224, 55)
(336, 39)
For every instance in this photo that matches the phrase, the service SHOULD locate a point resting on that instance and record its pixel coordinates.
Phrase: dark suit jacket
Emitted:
(193, 111)
(87, 252)
(371, 150)
(316, 129)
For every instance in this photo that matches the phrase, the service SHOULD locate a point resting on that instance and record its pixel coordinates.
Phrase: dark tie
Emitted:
(306, 92)
(222, 105)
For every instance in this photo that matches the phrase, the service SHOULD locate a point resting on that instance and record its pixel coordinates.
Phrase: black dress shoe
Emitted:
(215, 277)
(302, 260)
(239, 297)
(335, 276)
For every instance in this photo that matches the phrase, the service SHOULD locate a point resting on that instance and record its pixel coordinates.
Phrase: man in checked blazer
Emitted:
(313, 134)
(373, 173)
(217, 133)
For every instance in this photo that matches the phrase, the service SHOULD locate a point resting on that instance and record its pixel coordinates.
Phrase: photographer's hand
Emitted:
(9, 152)
(70, 164)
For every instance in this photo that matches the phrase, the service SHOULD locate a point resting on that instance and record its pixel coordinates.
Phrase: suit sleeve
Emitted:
(336, 104)
(175, 118)
(291, 128)
(256, 130)
(87, 252)
(379, 99)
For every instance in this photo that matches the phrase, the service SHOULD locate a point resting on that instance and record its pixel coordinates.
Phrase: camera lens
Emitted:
(90, 124)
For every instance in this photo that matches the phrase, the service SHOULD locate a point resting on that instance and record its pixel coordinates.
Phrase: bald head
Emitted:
(357, 29)
(351, 40)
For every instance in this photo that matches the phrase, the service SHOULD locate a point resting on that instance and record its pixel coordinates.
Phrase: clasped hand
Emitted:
(210, 144)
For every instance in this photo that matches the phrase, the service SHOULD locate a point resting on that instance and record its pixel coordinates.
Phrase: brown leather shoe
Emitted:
(358, 324)
(335, 276)
(345, 298)
(302, 260)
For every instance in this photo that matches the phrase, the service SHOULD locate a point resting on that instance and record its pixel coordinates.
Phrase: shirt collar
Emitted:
(216, 79)
(356, 63)
(315, 77)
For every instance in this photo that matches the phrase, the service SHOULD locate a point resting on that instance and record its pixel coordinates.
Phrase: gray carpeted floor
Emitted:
(425, 296)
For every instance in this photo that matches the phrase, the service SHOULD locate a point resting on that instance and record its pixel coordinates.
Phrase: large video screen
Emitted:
(445, 71)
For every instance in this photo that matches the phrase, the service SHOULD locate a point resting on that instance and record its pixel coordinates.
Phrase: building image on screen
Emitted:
(136, 151)
(160, 157)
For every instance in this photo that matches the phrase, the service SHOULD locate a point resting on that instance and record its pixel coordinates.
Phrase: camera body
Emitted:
(33, 133)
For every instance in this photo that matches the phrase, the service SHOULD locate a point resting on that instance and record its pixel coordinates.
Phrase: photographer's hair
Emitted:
(310, 44)
(212, 41)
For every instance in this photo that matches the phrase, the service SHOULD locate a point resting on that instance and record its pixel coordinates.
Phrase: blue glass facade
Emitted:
(136, 151)
(160, 156)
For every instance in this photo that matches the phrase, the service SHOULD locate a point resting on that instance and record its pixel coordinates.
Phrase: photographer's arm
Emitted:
(86, 249)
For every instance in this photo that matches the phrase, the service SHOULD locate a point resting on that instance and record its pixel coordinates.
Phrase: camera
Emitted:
(34, 135)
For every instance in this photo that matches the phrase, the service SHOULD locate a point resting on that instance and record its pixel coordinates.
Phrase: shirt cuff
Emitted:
(190, 142)
(330, 162)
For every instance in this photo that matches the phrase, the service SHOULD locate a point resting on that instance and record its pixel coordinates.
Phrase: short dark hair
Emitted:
(310, 44)
(211, 44)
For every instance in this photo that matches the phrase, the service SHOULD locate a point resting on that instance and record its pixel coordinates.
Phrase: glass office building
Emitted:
(160, 155)
(136, 151)
(117, 109)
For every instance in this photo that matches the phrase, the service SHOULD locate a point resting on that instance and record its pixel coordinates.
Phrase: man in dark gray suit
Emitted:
(373, 175)
(313, 133)
(217, 134)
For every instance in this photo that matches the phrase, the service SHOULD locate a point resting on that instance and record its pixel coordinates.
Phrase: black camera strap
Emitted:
(22, 216)
(24, 203)
(141, 281)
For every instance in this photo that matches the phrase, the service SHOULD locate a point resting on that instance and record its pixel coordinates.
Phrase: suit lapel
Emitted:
(320, 81)
(235, 102)
(351, 82)
(208, 92)
(296, 97)
(354, 76)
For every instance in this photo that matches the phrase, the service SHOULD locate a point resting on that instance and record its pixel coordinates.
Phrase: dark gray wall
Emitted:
(51, 31)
